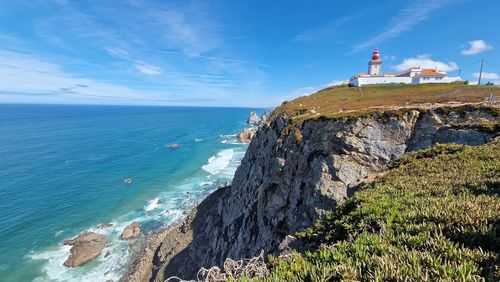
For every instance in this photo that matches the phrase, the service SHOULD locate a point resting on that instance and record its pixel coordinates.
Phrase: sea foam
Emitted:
(153, 204)
(218, 162)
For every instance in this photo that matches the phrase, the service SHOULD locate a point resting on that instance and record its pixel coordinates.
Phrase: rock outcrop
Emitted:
(253, 118)
(85, 247)
(246, 135)
(132, 231)
(292, 174)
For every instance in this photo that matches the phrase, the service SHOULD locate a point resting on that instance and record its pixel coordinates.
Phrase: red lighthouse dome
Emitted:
(375, 55)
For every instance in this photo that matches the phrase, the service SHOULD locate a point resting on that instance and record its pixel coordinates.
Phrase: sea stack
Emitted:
(253, 118)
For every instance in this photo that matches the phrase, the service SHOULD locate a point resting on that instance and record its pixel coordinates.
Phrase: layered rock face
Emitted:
(291, 176)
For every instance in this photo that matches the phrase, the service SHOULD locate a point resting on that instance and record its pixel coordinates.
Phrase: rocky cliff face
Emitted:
(291, 175)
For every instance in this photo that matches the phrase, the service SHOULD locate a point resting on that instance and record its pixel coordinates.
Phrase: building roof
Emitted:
(411, 69)
(430, 72)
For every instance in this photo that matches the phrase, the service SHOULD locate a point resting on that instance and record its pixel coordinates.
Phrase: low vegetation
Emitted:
(434, 216)
(342, 101)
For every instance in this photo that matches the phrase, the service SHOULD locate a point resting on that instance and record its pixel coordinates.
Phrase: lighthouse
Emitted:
(375, 64)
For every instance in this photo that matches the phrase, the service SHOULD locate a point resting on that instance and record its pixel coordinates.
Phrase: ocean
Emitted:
(62, 172)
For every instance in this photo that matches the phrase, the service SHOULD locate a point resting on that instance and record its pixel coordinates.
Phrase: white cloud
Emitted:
(118, 53)
(425, 61)
(335, 83)
(188, 69)
(304, 91)
(189, 30)
(406, 19)
(148, 69)
(476, 47)
(47, 78)
(141, 66)
(487, 75)
(50, 82)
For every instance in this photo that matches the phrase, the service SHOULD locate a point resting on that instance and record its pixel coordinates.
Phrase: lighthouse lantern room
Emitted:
(375, 64)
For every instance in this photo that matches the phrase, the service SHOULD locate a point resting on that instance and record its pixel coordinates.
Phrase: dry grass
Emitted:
(335, 102)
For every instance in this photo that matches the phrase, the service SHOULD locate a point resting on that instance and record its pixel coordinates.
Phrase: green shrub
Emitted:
(434, 216)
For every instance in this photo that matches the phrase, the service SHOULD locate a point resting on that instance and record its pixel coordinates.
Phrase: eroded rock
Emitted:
(246, 135)
(253, 118)
(85, 247)
(131, 231)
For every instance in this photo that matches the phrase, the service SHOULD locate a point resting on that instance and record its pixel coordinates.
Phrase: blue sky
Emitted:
(229, 53)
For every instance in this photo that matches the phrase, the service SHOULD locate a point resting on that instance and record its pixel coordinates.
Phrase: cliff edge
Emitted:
(305, 161)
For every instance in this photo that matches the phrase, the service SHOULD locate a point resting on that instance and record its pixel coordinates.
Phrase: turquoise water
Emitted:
(62, 170)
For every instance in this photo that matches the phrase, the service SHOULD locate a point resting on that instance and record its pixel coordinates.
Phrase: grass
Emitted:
(341, 101)
(434, 216)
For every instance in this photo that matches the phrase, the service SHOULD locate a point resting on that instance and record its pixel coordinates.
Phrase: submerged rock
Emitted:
(85, 247)
(104, 225)
(131, 231)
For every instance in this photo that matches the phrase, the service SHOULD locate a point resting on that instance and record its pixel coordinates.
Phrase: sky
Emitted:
(230, 53)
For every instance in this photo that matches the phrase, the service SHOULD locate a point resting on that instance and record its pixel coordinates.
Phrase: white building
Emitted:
(410, 76)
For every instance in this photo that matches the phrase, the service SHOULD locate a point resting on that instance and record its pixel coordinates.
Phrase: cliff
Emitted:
(434, 216)
(300, 165)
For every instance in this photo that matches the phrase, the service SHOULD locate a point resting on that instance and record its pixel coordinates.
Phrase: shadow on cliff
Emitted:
(186, 263)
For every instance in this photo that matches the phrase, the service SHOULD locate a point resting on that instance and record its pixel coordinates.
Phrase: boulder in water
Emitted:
(131, 231)
(85, 247)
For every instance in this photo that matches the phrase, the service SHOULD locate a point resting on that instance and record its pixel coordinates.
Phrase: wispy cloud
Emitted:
(425, 61)
(307, 90)
(405, 20)
(140, 51)
(139, 65)
(327, 30)
(118, 53)
(304, 91)
(487, 75)
(47, 77)
(188, 28)
(148, 69)
(476, 47)
(336, 83)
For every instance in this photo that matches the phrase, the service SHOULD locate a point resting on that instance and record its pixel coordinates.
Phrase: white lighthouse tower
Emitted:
(375, 64)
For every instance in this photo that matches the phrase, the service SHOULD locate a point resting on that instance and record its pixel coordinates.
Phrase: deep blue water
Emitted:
(62, 170)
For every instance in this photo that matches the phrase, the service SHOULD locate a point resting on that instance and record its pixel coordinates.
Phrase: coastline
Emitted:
(160, 247)
(167, 183)
(169, 242)
(239, 221)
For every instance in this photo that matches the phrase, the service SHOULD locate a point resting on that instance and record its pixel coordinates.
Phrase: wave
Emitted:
(163, 210)
(153, 204)
(218, 162)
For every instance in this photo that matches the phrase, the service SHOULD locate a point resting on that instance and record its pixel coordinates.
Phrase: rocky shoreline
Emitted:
(89, 245)
(161, 247)
(304, 178)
